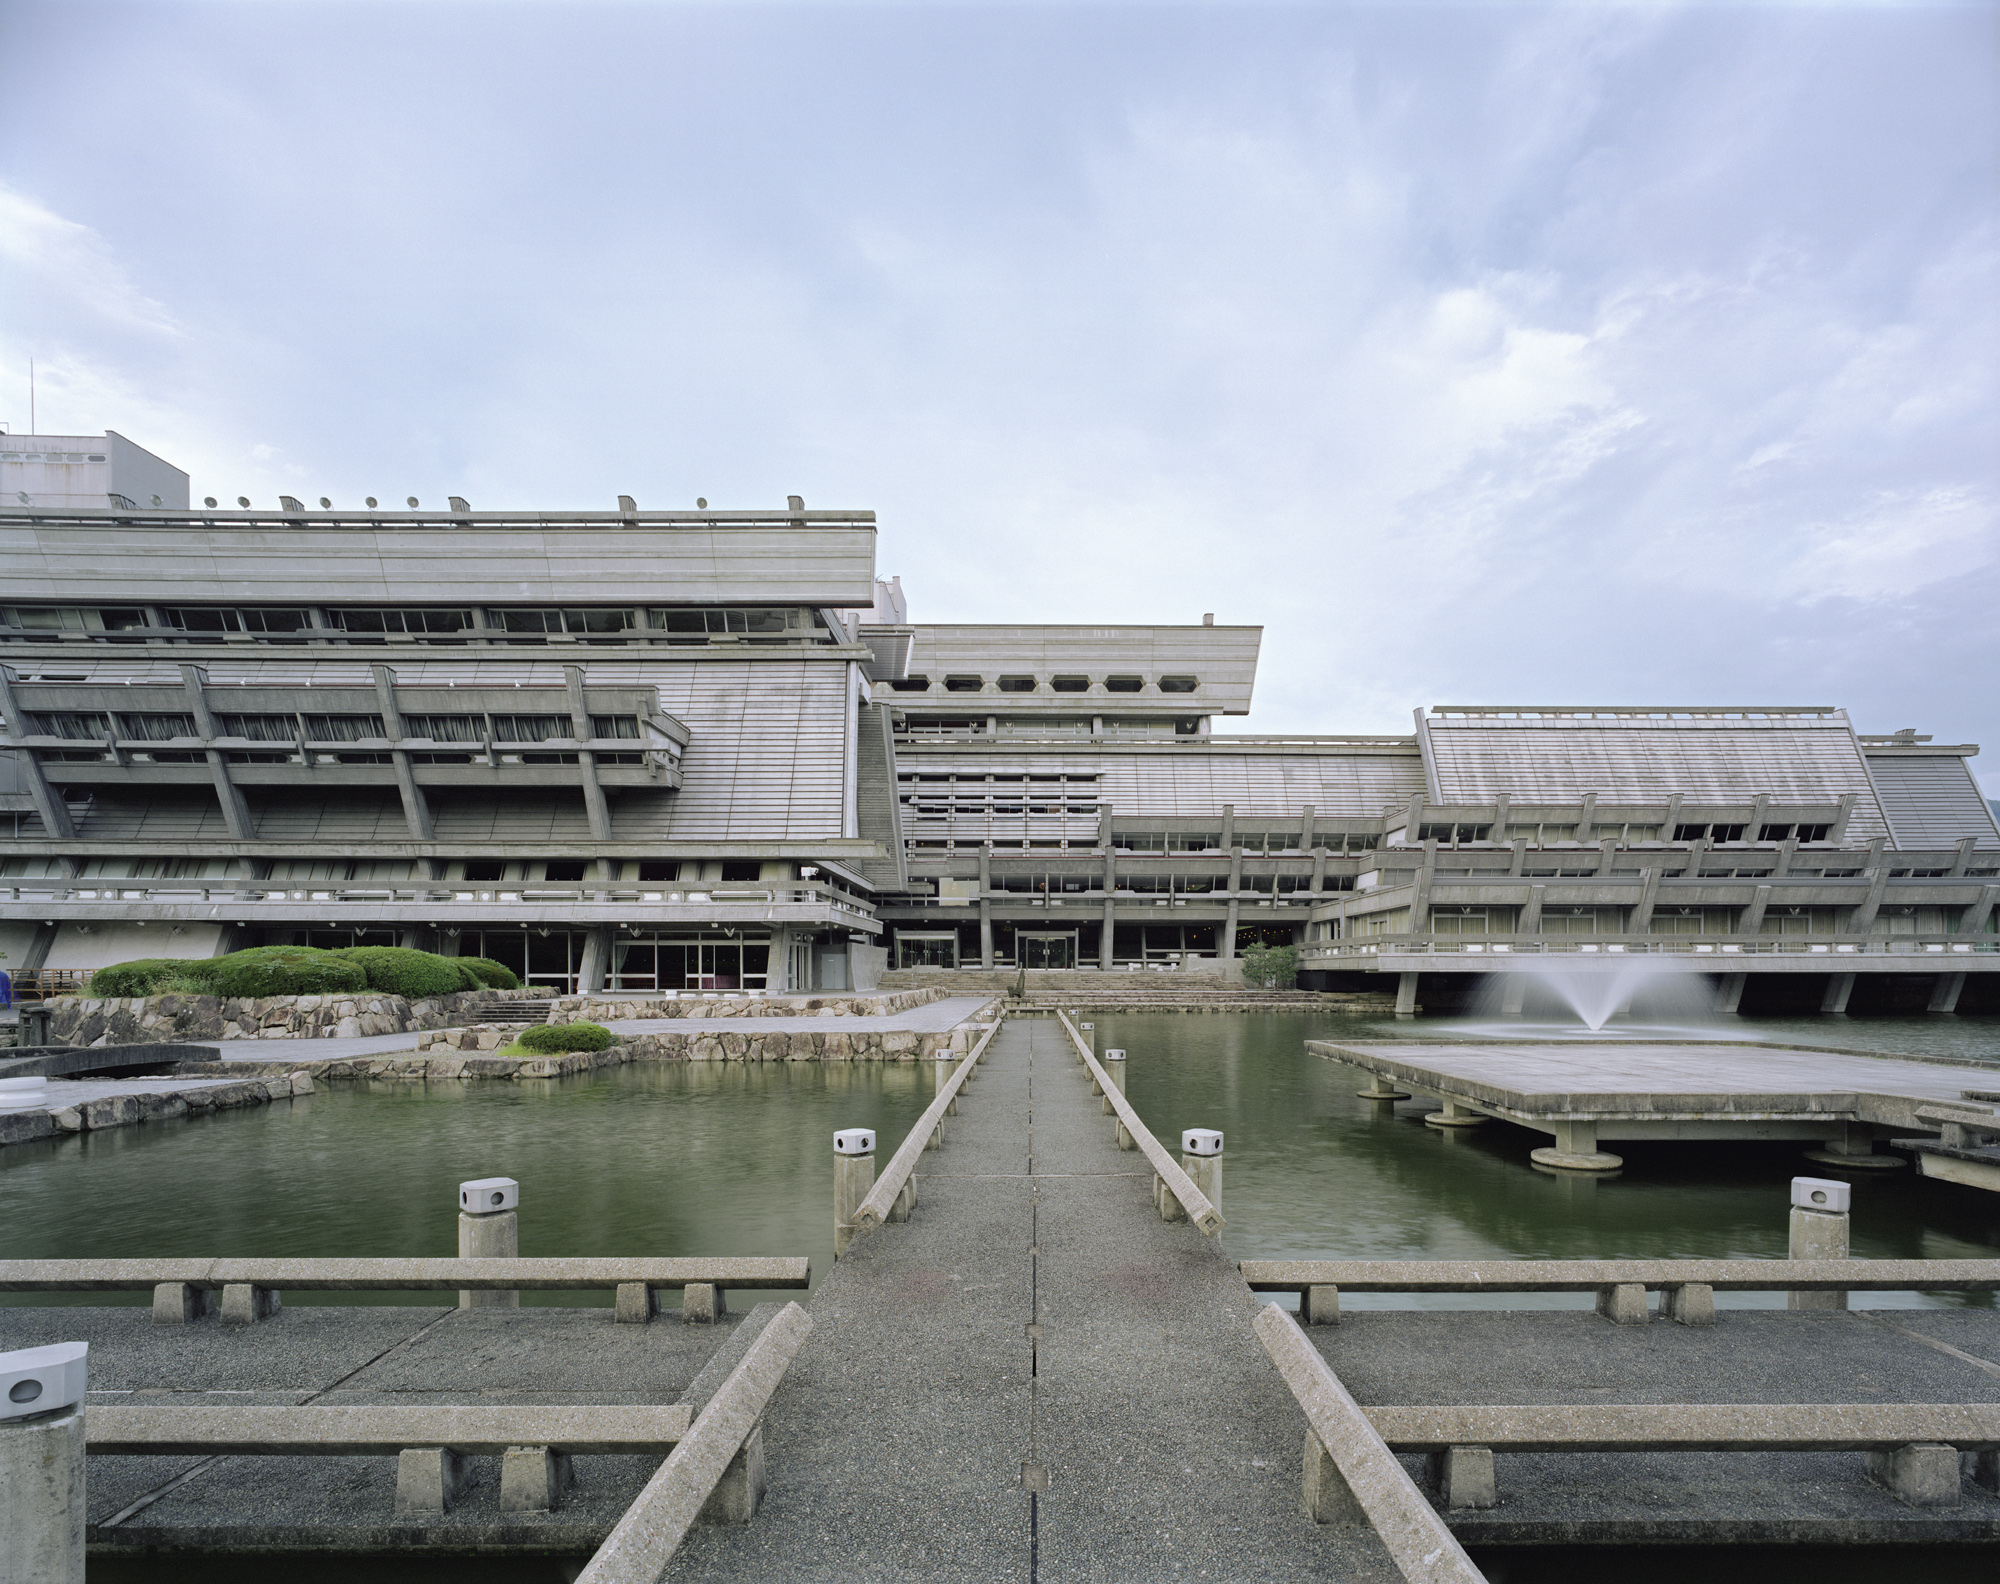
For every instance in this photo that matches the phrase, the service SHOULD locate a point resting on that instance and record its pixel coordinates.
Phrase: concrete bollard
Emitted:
(1623, 1303)
(636, 1304)
(1201, 1159)
(182, 1303)
(1819, 1232)
(489, 1227)
(943, 1065)
(1320, 1305)
(42, 1505)
(1690, 1304)
(853, 1176)
(244, 1304)
(430, 1480)
(1114, 1069)
(1920, 1473)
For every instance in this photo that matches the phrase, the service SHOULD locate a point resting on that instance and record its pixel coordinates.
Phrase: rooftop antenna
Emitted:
(31, 397)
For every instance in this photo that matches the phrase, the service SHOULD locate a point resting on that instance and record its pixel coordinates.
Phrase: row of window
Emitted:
(973, 682)
(1777, 923)
(170, 725)
(769, 622)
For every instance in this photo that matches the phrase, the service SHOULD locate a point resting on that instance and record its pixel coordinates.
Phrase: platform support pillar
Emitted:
(1838, 988)
(1406, 995)
(1730, 995)
(1944, 994)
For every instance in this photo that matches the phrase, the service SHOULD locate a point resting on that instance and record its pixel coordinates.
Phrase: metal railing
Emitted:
(27, 985)
(1650, 946)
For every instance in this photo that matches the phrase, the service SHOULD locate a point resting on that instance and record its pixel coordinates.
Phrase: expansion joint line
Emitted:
(1034, 1475)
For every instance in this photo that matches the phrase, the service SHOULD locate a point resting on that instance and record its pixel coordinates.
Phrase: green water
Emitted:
(683, 1158)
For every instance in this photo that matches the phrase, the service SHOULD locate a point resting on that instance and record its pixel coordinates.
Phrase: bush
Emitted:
(153, 976)
(1271, 967)
(492, 975)
(551, 1039)
(397, 970)
(282, 970)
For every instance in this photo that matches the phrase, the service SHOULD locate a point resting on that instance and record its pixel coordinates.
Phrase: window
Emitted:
(658, 871)
(1459, 921)
(563, 869)
(77, 725)
(915, 683)
(121, 620)
(1177, 684)
(963, 684)
(1017, 684)
(485, 869)
(531, 728)
(1123, 684)
(626, 726)
(759, 622)
(1461, 833)
(256, 620)
(571, 621)
(344, 728)
(1569, 921)
(401, 621)
(1797, 921)
(447, 728)
(737, 873)
(260, 728)
(47, 618)
(1715, 833)
(159, 727)
(1070, 684)
(1814, 833)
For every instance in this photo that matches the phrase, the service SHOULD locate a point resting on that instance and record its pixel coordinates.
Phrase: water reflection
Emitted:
(1317, 1173)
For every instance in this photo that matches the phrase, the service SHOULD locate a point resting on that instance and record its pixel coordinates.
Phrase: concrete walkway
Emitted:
(1034, 1324)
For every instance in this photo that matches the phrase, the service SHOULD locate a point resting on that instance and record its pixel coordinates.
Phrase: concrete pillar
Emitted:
(1838, 988)
(636, 1304)
(42, 1504)
(1201, 1159)
(489, 1227)
(985, 907)
(853, 1176)
(1531, 915)
(1228, 950)
(182, 1303)
(1513, 994)
(1463, 1477)
(1819, 1232)
(430, 1480)
(703, 1303)
(1944, 994)
(1329, 1498)
(1623, 1303)
(1320, 1305)
(243, 1304)
(533, 1479)
(1228, 826)
(1406, 995)
(1575, 1148)
(1453, 1114)
(740, 1491)
(1691, 1304)
(1114, 1069)
(1729, 994)
(1920, 1473)
(48, 799)
(596, 964)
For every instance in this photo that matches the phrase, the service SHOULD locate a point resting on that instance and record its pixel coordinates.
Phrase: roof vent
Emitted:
(290, 503)
(796, 503)
(459, 503)
(627, 504)
(1208, 618)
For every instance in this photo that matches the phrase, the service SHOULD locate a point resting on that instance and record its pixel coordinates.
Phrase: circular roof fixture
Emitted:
(243, 501)
(413, 503)
(208, 500)
(371, 501)
(325, 504)
(701, 503)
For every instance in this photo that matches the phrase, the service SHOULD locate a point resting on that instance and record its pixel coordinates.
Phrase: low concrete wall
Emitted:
(143, 1020)
(603, 1008)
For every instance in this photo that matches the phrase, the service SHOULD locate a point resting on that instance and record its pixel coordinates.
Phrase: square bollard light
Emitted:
(1201, 1159)
(42, 1506)
(489, 1227)
(853, 1176)
(1818, 1232)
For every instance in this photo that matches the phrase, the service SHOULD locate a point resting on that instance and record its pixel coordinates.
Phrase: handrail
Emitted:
(357, 1430)
(642, 1543)
(1685, 1427)
(874, 1210)
(370, 1275)
(1409, 1527)
(1724, 1275)
(1200, 1210)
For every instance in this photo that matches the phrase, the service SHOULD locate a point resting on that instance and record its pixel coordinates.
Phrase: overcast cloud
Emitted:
(1496, 354)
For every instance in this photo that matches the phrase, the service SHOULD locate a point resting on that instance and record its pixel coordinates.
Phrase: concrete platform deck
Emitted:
(1638, 1090)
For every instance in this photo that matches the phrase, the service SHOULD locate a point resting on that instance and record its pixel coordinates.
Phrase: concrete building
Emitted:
(70, 472)
(676, 750)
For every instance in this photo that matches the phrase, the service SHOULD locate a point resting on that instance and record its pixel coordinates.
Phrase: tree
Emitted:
(1271, 967)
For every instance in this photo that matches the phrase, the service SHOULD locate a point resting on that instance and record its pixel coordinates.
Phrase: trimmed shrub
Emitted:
(492, 975)
(552, 1039)
(1271, 967)
(398, 970)
(282, 970)
(143, 975)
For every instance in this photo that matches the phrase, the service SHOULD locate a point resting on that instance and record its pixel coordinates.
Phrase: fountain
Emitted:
(1640, 996)
(1598, 989)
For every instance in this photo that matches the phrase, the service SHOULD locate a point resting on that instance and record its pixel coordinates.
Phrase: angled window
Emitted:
(1070, 684)
(963, 684)
(1123, 684)
(1017, 684)
(1178, 684)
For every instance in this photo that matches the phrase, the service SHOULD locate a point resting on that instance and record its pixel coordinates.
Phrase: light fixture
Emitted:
(243, 501)
(701, 503)
(325, 504)
(371, 502)
(413, 502)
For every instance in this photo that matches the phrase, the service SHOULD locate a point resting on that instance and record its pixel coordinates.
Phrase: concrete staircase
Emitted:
(515, 1012)
(1138, 991)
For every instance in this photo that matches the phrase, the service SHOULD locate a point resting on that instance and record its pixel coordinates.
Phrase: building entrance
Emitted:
(1045, 948)
(689, 961)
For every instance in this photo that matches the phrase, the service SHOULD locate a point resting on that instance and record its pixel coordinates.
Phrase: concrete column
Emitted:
(1586, 816)
(1839, 831)
(1306, 819)
(1753, 916)
(1729, 994)
(1454, 1114)
(48, 801)
(1235, 885)
(490, 1233)
(1838, 988)
(235, 812)
(1944, 994)
(1575, 1148)
(1964, 857)
(1513, 994)
(416, 807)
(1863, 918)
(853, 1177)
(596, 962)
(1672, 818)
(985, 907)
(1759, 806)
(1319, 870)
(1531, 915)
(1819, 1232)
(1519, 848)
(1228, 826)
(1649, 891)
(42, 1504)
(1406, 995)
(1105, 956)
(1973, 920)
(1788, 849)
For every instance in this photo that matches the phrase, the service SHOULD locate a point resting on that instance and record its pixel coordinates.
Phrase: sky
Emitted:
(1486, 354)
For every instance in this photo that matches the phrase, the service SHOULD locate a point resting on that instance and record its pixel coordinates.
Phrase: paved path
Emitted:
(913, 1425)
(79, 1091)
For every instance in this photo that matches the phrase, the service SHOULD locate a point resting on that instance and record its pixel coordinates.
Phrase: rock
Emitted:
(67, 1120)
(302, 1083)
(347, 1028)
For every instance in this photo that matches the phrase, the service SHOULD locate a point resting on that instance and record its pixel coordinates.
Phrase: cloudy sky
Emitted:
(1484, 354)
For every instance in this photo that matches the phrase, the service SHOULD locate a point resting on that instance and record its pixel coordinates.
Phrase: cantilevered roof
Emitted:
(1794, 755)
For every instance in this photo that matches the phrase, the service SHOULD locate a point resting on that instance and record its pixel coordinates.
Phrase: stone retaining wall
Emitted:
(155, 1105)
(145, 1020)
(594, 1009)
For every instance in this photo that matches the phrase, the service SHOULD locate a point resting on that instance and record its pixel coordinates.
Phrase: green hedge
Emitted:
(137, 978)
(397, 970)
(493, 975)
(282, 970)
(551, 1039)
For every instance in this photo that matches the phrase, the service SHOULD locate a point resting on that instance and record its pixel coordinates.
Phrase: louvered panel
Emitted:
(163, 814)
(1637, 760)
(1932, 800)
(350, 814)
